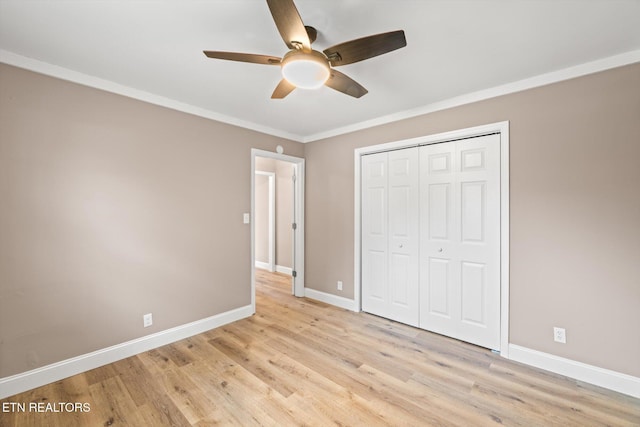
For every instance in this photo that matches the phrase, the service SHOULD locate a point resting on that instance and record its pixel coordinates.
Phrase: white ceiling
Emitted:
(152, 50)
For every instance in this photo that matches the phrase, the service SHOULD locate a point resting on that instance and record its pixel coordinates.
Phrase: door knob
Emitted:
(439, 249)
(400, 246)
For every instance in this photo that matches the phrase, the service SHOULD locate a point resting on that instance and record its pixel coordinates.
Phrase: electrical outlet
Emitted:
(339, 285)
(559, 335)
(147, 320)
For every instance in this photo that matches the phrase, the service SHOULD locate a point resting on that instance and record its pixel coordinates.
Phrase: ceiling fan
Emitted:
(306, 68)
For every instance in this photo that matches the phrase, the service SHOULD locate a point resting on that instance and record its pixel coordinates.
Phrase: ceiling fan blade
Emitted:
(365, 48)
(244, 57)
(290, 25)
(345, 84)
(283, 89)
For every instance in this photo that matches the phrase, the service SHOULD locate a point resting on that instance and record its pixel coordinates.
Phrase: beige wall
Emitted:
(575, 211)
(112, 208)
(261, 218)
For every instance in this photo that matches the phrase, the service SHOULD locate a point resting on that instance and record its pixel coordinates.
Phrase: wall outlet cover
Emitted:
(147, 320)
(560, 335)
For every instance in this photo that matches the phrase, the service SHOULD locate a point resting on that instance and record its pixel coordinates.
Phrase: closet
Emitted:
(430, 232)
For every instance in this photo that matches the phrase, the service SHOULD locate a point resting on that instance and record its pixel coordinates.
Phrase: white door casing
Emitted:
(460, 239)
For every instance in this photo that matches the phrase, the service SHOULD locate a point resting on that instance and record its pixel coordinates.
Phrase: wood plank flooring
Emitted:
(302, 362)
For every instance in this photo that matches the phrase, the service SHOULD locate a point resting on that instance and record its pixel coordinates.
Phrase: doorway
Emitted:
(288, 227)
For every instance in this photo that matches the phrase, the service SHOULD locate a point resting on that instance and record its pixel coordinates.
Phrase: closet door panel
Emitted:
(375, 290)
(478, 173)
(439, 288)
(438, 233)
(390, 235)
(460, 239)
(403, 236)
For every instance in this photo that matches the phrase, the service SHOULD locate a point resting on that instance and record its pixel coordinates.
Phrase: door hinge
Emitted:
(294, 226)
(294, 273)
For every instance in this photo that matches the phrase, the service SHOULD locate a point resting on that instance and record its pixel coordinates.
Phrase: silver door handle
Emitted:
(440, 250)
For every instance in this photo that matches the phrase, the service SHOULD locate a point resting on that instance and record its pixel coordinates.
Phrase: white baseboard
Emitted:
(612, 380)
(284, 270)
(263, 265)
(336, 300)
(19, 383)
(47, 374)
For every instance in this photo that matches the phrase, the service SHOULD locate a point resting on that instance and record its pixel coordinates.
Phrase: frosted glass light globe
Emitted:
(305, 70)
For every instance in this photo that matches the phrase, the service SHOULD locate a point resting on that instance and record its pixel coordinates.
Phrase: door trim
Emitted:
(500, 127)
(299, 165)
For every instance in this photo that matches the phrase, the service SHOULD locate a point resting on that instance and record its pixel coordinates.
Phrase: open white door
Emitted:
(294, 226)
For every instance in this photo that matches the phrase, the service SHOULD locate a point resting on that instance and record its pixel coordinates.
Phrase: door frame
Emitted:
(271, 220)
(499, 127)
(298, 288)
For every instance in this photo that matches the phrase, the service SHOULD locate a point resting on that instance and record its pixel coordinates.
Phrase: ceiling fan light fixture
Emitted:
(306, 70)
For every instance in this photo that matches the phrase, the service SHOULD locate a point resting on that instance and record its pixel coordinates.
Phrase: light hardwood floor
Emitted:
(302, 362)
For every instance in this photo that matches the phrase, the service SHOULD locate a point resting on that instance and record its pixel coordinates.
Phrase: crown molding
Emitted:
(62, 73)
(45, 68)
(592, 67)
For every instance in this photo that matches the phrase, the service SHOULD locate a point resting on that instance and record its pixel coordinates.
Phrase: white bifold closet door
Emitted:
(431, 238)
(460, 239)
(390, 235)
